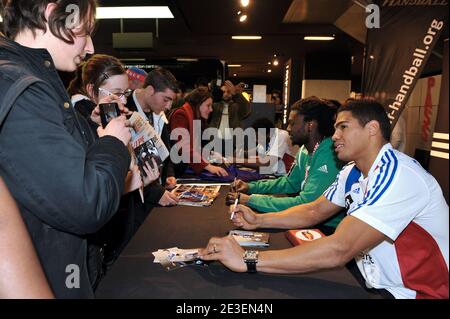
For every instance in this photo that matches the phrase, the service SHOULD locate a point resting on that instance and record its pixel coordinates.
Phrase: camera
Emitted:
(108, 111)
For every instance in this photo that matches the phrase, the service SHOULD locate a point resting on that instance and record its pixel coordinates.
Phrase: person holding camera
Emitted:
(103, 80)
(229, 113)
(101, 85)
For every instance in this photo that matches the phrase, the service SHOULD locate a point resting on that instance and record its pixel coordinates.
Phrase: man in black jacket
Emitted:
(228, 114)
(65, 187)
(156, 96)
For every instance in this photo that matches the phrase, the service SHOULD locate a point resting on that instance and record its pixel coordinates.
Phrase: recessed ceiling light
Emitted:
(269, 71)
(243, 18)
(246, 37)
(234, 74)
(147, 12)
(187, 60)
(234, 65)
(318, 38)
(269, 63)
(245, 3)
(275, 62)
(239, 12)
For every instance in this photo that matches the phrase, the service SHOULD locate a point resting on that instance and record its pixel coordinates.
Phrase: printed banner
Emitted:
(398, 50)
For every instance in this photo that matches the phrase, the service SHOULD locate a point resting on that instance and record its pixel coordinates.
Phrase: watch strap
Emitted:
(251, 267)
(251, 259)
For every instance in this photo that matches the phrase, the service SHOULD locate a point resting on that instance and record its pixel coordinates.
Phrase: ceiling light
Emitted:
(275, 62)
(318, 38)
(148, 12)
(269, 71)
(243, 18)
(187, 60)
(234, 65)
(239, 12)
(133, 59)
(269, 63)
(246, 37)
(234, 74)
(245, 3)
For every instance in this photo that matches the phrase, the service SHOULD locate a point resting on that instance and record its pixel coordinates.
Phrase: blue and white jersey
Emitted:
(404, 202)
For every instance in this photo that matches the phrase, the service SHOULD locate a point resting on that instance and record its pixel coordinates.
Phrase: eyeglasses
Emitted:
(120, 95)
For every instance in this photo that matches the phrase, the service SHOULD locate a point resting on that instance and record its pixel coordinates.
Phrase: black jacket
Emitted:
(65, 188)
(155, 191)
(113, 237)
(85, 108)
(238, 109)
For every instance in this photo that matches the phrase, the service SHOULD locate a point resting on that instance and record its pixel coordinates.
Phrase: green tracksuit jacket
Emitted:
(323, 169)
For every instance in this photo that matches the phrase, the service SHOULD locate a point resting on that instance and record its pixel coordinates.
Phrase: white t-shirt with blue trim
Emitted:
(404, 202)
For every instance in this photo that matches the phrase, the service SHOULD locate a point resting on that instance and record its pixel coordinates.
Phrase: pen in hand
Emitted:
(235, 205)
(233, 186)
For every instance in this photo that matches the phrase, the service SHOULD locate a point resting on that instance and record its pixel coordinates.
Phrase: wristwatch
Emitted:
(251, 259)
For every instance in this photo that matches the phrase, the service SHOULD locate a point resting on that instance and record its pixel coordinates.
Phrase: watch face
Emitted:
(251, 255)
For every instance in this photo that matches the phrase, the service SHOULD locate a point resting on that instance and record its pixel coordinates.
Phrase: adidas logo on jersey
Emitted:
(323, 169)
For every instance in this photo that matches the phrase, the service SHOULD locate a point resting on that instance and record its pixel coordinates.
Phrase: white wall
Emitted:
(327, 89)
(414, 115)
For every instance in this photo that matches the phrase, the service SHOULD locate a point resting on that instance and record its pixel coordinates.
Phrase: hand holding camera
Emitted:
(117, 127)
(109, 98)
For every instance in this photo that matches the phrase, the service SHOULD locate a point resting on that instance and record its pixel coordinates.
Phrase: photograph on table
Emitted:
(196, 194)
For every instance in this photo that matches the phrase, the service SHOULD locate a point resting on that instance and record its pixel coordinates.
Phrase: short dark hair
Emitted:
(264, 123)
(196, 98)
(366, 110)
(161, 79)
(322, 111)
(202, 82)
(336, 103)
(95, 71)
(19, 15)
(181, 87)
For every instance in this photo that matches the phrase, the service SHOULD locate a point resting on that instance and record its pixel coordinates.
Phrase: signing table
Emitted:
(134, 275)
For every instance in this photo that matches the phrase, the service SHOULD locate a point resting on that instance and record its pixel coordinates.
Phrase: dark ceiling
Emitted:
(203, 29)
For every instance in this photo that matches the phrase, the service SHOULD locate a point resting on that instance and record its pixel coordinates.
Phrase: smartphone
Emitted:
(108, 111)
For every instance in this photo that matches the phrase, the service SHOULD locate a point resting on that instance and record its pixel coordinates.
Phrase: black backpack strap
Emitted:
(13, 93)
